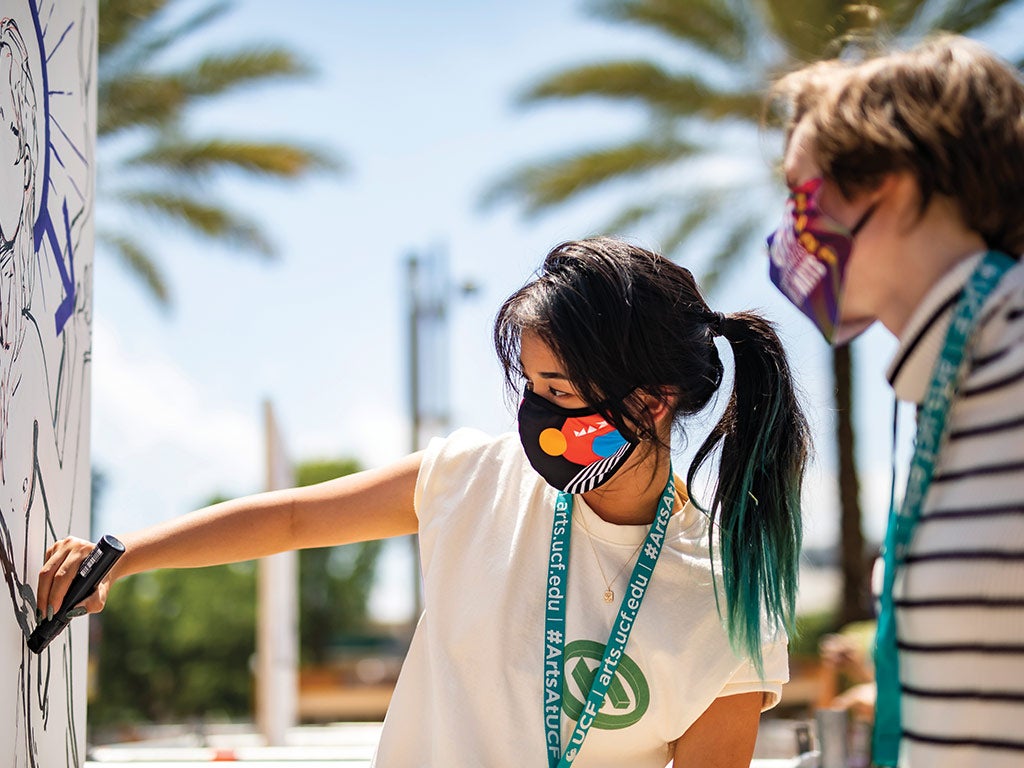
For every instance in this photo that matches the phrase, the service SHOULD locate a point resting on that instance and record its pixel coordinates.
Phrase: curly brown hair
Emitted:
(947, 111)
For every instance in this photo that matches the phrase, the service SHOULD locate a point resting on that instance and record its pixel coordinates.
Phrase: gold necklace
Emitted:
(609, 593)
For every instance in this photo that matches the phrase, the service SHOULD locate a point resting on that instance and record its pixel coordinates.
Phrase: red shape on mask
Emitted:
(579, 435)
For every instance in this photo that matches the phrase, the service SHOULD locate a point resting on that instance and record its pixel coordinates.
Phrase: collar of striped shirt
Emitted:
(922, 338)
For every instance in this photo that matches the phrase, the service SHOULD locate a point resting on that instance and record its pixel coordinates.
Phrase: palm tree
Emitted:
(152, 170)
(704, 111)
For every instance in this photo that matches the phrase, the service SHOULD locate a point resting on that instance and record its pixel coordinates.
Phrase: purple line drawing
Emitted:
(47, 175)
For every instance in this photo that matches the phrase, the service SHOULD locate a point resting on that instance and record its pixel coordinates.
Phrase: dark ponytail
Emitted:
(756, 503)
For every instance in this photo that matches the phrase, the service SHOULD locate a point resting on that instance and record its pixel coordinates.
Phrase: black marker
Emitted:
(93, 569)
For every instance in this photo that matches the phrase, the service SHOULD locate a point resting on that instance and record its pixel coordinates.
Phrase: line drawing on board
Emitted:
(47, 178)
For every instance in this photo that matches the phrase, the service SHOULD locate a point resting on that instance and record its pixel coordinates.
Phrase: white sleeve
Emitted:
(776, 672)
(448, 463)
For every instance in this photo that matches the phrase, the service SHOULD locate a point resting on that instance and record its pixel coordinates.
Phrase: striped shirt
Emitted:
(960, 595)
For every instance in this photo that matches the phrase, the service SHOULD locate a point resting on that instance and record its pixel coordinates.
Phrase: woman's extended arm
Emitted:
(375, 504)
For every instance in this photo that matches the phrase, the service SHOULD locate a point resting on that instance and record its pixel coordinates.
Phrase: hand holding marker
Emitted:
(93, 569)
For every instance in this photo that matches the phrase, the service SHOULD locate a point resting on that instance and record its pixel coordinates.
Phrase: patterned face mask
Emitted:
(809, 254)
(573, 449)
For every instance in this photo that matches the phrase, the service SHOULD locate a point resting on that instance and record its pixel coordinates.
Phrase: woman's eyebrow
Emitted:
(545, 374)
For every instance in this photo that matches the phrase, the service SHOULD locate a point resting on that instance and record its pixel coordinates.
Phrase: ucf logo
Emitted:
(628, 696)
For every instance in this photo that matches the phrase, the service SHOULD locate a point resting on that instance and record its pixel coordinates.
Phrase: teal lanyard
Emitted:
(931, 423)
(556, 590)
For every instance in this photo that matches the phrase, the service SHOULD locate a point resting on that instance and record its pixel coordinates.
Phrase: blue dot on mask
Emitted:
(605, 445)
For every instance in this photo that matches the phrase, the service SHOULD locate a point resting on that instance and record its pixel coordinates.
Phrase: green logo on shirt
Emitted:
(628, 694)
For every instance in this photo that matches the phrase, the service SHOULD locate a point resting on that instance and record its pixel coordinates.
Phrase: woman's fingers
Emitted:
(63, 559)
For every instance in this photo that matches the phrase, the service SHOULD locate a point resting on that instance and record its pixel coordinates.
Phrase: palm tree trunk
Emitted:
(855, 603)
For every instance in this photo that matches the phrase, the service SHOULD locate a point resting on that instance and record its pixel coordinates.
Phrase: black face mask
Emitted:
(573, 449)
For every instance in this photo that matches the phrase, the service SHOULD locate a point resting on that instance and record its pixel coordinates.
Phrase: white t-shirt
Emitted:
(471, 690)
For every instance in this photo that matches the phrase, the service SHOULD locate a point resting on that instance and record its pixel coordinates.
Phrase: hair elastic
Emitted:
(715, 321)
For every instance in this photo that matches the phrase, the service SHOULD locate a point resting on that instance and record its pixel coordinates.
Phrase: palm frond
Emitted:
(156, 99)
(151, 41)
(547, 184)
(137, 262)
(139, 100)
(212, 221)
(219, 73)
(710, 26)
(120, 19)
(636, 79)
(648, 85)
(746, 106)
(140, 94)
(630, 216)
(197, 158)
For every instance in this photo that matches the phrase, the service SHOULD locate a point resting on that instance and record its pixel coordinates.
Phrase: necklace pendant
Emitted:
(608, 595)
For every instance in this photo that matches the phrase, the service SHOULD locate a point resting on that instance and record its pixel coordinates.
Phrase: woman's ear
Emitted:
(661, 406)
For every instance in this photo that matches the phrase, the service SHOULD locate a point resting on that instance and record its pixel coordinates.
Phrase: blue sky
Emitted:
(418, 100)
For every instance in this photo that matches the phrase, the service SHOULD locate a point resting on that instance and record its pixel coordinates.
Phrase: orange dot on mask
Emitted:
(552, 442)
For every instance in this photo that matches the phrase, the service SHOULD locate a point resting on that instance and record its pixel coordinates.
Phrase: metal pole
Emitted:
(415, 417)
(414, 352)
(277, 635)
(833, 729)
(428, 295)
